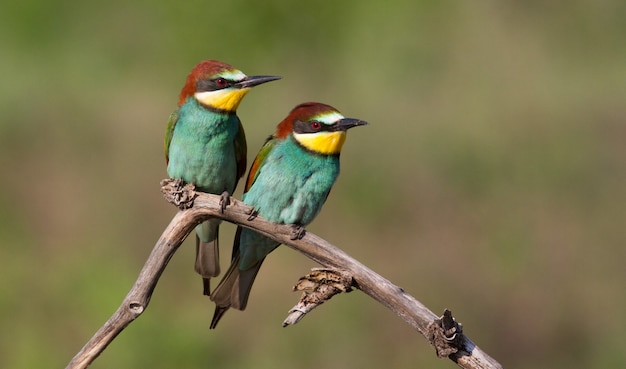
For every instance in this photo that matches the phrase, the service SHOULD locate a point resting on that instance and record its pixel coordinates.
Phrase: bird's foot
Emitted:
(252, 214)
(178, 193)
(297, 232)
(224, 201)
(318, 287)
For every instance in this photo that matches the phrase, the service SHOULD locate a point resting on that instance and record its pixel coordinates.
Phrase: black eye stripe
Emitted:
(310, 127)
(213, 84)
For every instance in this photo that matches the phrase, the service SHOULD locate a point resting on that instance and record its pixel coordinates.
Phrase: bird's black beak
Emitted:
(252, 81)
(347, 123)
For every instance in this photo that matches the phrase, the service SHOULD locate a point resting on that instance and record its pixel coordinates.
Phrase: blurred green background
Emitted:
(490, 181)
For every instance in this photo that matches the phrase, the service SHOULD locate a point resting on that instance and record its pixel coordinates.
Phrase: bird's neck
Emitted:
(194, 103)
(226, 100)
(205, 120)
(321, 143)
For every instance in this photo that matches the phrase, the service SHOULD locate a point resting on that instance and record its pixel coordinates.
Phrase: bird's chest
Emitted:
(292, 185)
(202, 152)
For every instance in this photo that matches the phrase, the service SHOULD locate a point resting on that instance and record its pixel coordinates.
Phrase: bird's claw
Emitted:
(252, 214)
(224, 201)
(297, 232)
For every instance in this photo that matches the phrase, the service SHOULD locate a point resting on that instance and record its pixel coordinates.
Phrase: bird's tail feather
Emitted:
(207, 253)
(234, 289)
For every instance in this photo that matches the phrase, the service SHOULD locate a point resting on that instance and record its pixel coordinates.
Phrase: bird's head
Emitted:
(219, 86)
(318, 127)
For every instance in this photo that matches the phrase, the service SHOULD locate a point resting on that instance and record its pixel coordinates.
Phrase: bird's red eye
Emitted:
(315, 125)
(221, 82)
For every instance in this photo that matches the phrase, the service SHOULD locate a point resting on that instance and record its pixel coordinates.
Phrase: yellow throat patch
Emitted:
(326, 143)
(226, 99)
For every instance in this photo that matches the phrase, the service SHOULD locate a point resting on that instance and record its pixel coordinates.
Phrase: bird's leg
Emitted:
(224, 201)
(178, 193)
(297, 232)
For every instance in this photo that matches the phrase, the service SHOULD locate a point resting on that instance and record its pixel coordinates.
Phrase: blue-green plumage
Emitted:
(202, 149)
(288, 183)
(292, 185)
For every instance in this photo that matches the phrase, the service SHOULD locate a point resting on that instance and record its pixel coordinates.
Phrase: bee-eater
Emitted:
(288, 183)
(205, 145)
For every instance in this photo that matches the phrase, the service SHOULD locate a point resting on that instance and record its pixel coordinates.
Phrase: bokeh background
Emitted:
(490, 181)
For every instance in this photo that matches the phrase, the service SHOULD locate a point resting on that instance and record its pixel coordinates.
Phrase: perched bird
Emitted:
(205, 145)
(288, 183)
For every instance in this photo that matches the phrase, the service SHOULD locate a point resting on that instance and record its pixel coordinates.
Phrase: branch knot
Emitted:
(446, 335)
(178, 193)
(136, 307)
(318, 286)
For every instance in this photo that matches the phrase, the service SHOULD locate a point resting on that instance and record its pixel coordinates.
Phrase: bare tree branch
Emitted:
(444, 334)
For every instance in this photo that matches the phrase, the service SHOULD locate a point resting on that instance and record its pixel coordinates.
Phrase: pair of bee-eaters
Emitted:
(288, 181)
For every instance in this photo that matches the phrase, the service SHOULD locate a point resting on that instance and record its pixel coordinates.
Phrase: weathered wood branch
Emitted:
(444, 334)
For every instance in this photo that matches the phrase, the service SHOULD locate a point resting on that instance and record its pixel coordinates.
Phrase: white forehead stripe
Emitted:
(233, 75)
(329, 118)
